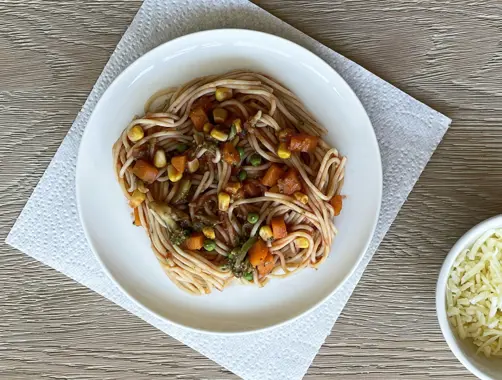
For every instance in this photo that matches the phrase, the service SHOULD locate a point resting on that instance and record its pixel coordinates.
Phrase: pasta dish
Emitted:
(231, 180)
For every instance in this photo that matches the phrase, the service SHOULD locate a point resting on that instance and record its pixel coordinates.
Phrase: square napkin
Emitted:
(49, 229)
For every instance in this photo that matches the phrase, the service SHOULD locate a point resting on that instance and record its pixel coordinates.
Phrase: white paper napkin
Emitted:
(49, 230)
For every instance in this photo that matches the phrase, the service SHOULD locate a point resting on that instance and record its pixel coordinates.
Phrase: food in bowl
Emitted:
(231, 179)
(474, 293)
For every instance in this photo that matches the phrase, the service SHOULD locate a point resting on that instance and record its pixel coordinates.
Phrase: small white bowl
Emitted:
(465, 350)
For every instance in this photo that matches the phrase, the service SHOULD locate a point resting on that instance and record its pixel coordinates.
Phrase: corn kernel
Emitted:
(223, 93)
(223, 201)
(136, 133)
(266, 233)
(209, 232)
(219, 135)
(233, 187)
(300, 197)
(283, 151)
(159, 159)
(193, 165)
(238, 125)
(302, 242)
(173, 174)
(137, 198)
(207, 127)
(141, 186)
(220, 115)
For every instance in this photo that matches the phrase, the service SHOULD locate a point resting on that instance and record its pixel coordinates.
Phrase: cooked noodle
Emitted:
(231, 180)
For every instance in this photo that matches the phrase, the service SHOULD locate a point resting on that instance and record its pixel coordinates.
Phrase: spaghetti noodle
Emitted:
(230, 178)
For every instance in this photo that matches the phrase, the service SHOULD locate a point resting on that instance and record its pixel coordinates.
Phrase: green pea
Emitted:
(242, 175)
(253, 217)
(255, 159)
(248, 276)
(209, 245)
(240, 149)
(181, 147)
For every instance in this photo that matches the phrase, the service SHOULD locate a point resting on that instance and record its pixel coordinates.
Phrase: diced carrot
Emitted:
(179, 163)
(204, 102)
(137, 220)
(145, 171)
(279, 227)
(336, 202)
(230, 154)
(199, 118)
(303, 142)
(232, 187)
(195, 241)
(290, 182)
(267, 266)
(273, 173)
(252, 188)
(258, 252)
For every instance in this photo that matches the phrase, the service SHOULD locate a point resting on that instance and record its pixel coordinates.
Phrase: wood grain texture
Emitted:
(447, 54)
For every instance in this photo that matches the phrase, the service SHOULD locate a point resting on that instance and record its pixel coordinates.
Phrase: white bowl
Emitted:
(465, 350)
(124, 250)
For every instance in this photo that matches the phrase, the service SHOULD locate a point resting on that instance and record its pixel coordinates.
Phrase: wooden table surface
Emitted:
(446, 54)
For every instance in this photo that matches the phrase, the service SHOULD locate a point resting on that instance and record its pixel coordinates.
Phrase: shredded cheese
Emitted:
(474, 293)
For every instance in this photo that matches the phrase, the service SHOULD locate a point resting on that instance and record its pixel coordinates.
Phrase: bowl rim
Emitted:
(459, 246)
(355, 99)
